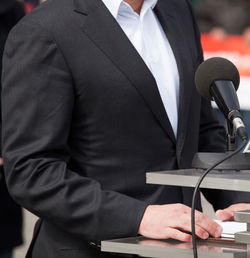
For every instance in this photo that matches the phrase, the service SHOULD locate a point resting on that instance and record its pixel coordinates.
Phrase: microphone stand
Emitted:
(240, 161)
(232, 141)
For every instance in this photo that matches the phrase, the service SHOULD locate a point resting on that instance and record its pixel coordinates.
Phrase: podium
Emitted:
(223, 248)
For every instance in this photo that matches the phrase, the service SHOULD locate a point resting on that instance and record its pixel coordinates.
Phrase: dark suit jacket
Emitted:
(87, 122)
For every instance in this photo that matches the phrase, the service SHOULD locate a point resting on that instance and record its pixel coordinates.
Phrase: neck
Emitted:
(135, 4)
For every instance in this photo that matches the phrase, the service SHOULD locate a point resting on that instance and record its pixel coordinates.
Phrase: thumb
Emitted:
(225, 215)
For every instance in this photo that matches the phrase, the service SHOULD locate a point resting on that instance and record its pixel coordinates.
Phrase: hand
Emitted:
(228, 213)
(174, 221)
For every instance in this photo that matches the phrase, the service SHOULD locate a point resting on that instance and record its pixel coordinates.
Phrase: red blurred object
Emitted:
(232, 47)
(28, 7)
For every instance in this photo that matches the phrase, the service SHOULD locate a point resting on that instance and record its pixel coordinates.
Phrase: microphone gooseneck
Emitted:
(243, 145)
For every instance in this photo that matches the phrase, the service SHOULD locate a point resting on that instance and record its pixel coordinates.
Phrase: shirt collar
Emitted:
(114, 5)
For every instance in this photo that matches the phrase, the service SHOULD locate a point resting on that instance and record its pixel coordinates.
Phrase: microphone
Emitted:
(218, 79)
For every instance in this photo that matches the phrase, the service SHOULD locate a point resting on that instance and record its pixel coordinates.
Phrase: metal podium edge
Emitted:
(240, 181)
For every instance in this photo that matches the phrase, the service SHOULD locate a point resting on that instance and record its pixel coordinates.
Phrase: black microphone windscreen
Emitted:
(215, 69)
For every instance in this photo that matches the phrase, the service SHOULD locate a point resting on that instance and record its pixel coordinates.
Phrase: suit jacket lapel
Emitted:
(165, 10)
(100, 26)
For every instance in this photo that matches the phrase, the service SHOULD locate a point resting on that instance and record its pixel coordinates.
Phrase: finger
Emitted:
(239, 207)
(201, 233)
(1, 161)
(228, 213)
(185, 225)
(208, 224)
(202, 228)
(178, 235)
(225, 215)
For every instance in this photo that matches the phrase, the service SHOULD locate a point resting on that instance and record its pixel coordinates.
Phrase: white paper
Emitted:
(231, 227)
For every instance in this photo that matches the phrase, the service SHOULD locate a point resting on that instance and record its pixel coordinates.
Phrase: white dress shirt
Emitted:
(146, 34)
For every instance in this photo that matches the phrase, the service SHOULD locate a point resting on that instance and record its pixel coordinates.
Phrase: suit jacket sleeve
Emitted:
(38, 104)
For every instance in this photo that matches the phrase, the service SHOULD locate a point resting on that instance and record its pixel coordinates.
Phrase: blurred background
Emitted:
(225, 32)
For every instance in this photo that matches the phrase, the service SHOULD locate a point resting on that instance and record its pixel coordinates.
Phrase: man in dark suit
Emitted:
(85, 116)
